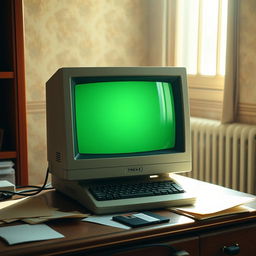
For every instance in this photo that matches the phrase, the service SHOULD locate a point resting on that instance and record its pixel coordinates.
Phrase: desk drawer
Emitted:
(212, 243)
(190, 245)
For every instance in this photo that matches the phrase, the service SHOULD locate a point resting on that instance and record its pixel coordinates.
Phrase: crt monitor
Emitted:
(113, 122)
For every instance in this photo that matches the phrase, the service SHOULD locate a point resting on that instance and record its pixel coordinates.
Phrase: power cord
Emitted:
(26, 192)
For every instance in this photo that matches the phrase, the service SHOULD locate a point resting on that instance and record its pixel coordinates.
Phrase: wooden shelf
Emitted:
(8, 154)
(12, 89)
(6, 75)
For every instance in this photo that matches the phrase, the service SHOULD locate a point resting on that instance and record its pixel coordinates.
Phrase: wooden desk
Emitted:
(204, 238)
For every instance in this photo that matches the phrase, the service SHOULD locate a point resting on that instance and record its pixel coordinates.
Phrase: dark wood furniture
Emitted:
(12, 89)
(188, 237)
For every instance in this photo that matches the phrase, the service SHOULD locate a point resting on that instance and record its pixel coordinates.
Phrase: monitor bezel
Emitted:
(73, 167)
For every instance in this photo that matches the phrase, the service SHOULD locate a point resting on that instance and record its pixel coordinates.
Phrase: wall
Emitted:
(247, 63)
(105, 32)
(75, 33)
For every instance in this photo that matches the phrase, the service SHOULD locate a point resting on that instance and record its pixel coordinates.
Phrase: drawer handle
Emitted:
(231, 250)
(180, 253)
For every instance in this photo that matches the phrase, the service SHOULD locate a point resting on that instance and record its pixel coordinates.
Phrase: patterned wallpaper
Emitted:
(247, 64)
(75, 33)
(247, 52)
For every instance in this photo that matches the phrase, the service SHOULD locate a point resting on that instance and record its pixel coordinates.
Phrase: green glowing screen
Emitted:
(124, 117)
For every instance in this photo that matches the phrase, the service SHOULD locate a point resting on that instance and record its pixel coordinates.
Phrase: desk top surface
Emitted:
(85, 236)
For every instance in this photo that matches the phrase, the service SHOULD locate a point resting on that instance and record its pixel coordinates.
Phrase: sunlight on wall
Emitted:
(75, 33)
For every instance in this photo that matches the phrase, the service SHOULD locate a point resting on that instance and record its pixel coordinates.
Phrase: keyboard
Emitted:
(123, 195)
(115, 191)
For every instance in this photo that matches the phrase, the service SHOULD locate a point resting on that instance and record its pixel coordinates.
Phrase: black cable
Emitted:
(4, 194)
(28, 186)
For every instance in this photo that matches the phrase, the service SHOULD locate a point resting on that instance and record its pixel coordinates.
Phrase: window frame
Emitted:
(205, 92)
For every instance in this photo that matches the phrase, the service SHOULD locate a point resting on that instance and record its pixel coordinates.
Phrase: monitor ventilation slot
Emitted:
(58, 157)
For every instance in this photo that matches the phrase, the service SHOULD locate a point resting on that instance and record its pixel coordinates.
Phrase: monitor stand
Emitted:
(79, 192)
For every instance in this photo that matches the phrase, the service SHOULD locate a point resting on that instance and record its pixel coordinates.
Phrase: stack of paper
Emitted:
(212, 200)
(33, 210)
(213, 206)
(7, 172)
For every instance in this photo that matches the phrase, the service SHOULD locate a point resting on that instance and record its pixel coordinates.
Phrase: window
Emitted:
(196, 35)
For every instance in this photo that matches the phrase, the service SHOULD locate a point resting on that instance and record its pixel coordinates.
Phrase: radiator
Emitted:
(224, 154)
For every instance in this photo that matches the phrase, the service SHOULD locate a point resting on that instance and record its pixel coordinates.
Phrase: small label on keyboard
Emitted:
(145, 217)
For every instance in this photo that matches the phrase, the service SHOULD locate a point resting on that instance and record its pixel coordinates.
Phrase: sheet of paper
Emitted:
(213, 204)
(105, 220)
(25, 208)
(28, 233)
(233, 210)
(9, 220)
(56, 215)
(9, 203)
(211, 199)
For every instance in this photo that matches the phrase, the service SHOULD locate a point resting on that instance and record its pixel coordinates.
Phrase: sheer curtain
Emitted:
(158, 32)
(160, 48)
(231, 87)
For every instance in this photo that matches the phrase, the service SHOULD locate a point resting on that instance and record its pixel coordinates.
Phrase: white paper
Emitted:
(212, 204)
(28, 233)
(105, 220)
(210, 198)
(9, 203)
